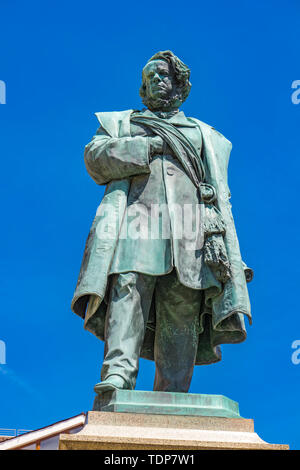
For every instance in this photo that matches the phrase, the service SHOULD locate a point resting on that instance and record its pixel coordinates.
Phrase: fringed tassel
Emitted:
(215, 254)
(213, 221)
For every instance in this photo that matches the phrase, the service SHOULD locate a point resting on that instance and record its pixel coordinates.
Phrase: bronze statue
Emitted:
(162, 275)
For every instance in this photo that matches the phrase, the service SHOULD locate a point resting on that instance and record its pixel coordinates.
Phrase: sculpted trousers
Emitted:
(176, 334)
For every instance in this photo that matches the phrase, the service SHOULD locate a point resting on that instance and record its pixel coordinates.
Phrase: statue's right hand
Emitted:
(156, 145)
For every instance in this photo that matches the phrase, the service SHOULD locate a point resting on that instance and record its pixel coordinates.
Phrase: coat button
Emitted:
(170, 171)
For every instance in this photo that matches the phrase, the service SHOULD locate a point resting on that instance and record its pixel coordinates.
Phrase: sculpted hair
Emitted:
(181, 71)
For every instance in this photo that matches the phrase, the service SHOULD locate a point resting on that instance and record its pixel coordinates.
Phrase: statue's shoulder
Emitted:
(211, 132)
(115, 122)
(113, 115)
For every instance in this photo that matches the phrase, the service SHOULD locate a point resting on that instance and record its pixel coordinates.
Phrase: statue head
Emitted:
(165, 82)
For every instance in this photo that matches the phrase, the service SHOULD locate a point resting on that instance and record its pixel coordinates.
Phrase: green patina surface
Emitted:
(168, 403)
(174, 297)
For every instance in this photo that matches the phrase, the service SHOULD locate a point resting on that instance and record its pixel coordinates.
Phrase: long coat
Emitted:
(119, 159)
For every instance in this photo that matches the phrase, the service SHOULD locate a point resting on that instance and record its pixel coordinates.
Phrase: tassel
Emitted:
(215, 256)
(213, 221)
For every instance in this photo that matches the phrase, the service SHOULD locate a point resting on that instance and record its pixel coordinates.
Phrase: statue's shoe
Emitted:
(113, 382)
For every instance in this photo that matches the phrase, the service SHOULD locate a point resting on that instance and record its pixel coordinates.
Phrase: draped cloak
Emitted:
(221, 314)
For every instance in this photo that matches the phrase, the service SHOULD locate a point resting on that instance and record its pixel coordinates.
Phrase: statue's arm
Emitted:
(107, 158)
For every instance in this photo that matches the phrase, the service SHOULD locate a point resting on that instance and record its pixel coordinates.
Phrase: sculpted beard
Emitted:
(166, 103)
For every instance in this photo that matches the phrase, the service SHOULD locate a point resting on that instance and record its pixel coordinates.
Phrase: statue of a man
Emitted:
(175, 296)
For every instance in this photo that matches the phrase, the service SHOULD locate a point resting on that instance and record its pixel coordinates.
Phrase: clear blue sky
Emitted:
(63, 61)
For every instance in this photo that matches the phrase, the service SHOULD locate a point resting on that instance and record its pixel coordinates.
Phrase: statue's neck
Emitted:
(166, 114)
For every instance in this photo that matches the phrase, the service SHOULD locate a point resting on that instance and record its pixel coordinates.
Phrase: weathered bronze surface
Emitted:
(162, 276)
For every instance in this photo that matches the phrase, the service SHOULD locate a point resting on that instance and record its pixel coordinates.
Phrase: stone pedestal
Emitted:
(137, 420)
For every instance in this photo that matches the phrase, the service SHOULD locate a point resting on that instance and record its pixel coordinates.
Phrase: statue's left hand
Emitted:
(156, 145)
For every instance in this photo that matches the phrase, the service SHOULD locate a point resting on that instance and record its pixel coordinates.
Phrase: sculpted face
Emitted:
(160, 86)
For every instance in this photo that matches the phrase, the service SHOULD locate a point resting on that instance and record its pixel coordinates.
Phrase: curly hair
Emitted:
(181, 72)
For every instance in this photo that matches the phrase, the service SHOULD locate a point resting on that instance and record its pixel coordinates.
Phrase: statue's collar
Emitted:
(117, 123)
(178, 119)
